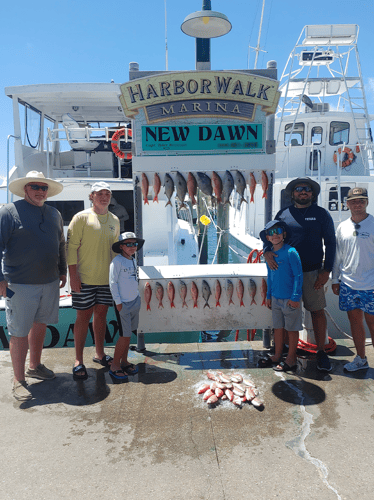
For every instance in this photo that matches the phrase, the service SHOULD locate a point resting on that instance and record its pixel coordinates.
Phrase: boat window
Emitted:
(294, 137)
(67, 208)
(339, 133)
(31, 125)
(286, 199)
(314, 159)
(122, 205)
(333, 198)
(316, 135)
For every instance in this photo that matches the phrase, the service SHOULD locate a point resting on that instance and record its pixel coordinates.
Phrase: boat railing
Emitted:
(54, 134)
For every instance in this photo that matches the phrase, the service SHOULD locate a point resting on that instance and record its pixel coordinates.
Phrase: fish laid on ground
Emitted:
(240, 185)
(229, 291)
(181, 185)
(218, 292)
(159, 294)
(236, 378)
(204, 183)
(194, 293)
(252, 290)
(264, 184)
(227, 187)
(207, 394)
(169, 188)
(192, 187)
(148, 295)
(203, 388)
(263, 290)
(171, 293)
(206, 293)
(252, 186)
(156, 186)
(145, 187)
(236, 392)
(240, 291)
(217, 186)
(183, 293)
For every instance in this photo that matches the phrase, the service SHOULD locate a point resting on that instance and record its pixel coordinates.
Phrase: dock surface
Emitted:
(155, 437)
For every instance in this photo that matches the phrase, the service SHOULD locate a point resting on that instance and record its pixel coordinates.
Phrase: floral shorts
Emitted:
(350, 299)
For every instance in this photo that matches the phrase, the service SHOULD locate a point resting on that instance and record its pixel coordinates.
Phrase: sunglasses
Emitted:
(274, 230)
(130, 244)
(357, 226)
(300, 189)
(35, 187)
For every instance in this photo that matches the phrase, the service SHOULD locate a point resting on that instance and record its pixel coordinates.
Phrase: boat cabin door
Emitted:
(316, 149)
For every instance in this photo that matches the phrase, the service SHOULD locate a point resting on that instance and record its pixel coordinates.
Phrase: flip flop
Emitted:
(104, 361)
(284, 367)
(80, 368)
(130, 369)
(265, 362)
(117, 375)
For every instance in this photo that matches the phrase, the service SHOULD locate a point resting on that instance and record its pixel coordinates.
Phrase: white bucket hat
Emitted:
(16, 186)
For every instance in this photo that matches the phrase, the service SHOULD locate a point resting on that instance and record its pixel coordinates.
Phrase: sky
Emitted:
(80, 41)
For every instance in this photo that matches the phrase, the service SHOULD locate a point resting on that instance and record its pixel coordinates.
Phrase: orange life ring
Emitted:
(349, 158)
(121, 154)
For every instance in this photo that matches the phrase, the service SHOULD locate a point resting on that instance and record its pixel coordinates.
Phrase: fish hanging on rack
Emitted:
(156, 186)
(148, 295)
(229, 291)
(264, 183)
(204, 184)
(227, 187)
(181, 185)
(145, 187)
(171, 294)
(183, 293)
(218, 292)
(159, 294)
(217, 186)
(206, 293)
(263, 290)
(240, 185)
(169, 188)
(192, 187)
(252, 187)
(194, 293)
(240, 291)
(252, 290)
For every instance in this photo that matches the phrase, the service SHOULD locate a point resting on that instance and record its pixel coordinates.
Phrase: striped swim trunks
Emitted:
(91, 295)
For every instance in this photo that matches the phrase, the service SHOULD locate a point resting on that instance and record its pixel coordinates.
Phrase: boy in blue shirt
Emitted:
(284, 293)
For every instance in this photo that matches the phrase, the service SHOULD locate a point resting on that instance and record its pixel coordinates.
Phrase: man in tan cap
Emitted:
(32, 247)
(353, 272)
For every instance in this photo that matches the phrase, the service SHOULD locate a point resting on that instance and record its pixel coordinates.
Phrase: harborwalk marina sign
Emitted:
(232, 99)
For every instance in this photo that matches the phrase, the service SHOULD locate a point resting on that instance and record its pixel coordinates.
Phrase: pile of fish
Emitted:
(234, 388)
(206, 292)
(221, 187)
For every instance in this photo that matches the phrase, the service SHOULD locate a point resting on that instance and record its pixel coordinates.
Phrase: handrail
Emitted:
(53, 134)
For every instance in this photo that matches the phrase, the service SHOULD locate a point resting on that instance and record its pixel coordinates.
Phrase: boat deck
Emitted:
(154, 437)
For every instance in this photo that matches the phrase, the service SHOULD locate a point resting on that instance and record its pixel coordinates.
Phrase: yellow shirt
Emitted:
(89, 245)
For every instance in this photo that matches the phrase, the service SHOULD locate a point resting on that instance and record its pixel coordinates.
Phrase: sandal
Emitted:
(284, 367)
(265, 362)
(106, 360)
(130, 369)
(77, 375)
(118, 374)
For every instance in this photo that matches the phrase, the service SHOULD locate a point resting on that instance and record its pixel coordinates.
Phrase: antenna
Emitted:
(257, 48)
(166, 41)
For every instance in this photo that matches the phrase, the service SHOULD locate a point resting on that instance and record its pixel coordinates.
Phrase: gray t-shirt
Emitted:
(32, 243)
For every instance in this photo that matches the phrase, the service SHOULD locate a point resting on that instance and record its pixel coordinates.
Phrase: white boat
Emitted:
(322, 131)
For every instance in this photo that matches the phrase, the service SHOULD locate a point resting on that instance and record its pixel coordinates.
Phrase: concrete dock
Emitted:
(154, 437)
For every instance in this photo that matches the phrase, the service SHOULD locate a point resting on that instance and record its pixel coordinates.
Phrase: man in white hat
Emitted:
(91, 234)
(32, 247)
